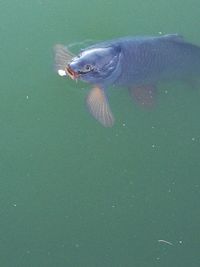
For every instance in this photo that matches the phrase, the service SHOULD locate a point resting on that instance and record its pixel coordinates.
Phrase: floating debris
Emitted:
(165, 241)
(62, 73)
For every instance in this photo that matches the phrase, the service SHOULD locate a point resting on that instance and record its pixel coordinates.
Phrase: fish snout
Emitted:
(71, 72)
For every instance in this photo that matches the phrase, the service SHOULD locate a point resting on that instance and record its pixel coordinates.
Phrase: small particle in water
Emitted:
(166, 91)
(180, 242)
(193, 139)
(123, 124)
(153, 146)
(62, 73)
(14, 205)
(165, 241)
(27, 97)
(159, 32)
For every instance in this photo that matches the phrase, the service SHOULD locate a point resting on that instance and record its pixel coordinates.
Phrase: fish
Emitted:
(137, 63)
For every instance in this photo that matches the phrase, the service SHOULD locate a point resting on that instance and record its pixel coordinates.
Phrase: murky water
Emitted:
(73, 193)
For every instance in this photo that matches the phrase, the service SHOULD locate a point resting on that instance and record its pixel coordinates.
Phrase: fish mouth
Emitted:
(72, 74)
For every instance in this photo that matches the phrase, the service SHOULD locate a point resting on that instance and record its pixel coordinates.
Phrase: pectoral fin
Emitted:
(99, 107)
(144, 95)
(62, 57)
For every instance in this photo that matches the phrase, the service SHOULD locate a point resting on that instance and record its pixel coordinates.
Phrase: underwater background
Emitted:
(76, 194)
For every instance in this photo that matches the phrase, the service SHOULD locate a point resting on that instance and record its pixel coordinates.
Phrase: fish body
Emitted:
(134, 62)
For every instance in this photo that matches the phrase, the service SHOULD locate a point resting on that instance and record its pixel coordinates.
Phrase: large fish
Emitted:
(135, 62)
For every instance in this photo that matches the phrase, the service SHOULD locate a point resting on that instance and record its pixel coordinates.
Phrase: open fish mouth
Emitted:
(72, 74)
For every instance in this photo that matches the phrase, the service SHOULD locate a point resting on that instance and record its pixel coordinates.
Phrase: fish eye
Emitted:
(88, 67)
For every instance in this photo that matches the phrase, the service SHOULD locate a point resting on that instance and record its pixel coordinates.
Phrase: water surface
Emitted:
(72, 192)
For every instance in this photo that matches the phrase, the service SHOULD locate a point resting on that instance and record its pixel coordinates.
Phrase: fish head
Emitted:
(95, 65)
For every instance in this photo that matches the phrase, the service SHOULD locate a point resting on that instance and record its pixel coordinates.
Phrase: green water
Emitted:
(75, 194)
